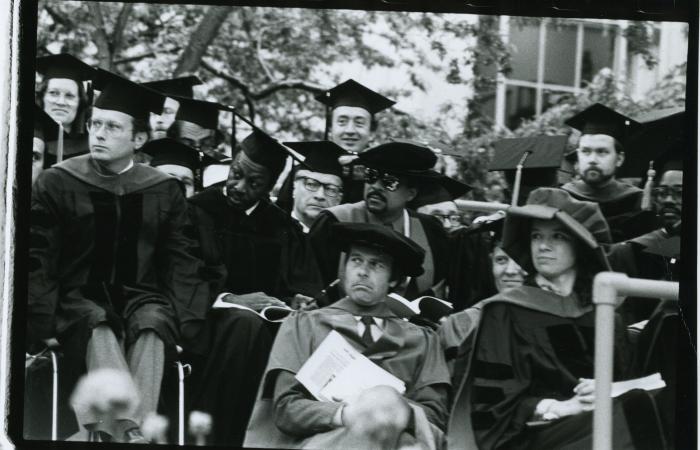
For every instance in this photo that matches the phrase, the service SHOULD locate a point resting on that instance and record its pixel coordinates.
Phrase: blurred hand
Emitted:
(255, 301)
(379, 413)
(585, 393)
(303, 303)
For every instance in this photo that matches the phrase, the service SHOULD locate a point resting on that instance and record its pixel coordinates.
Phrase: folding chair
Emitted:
(183, 371)
(49, 353)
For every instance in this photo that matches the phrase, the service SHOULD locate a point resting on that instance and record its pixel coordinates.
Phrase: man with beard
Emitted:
(350, 123)
(258, 256)
(112, 275)
(320, 188)
(397, 175)
(600, 153)
(172, 89)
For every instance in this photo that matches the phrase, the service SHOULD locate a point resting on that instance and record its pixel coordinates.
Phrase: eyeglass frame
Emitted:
(390, 182)
(335, 192)
(89, 126)
(449, 217)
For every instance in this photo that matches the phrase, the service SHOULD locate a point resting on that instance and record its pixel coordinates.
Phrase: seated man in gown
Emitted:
(287, 416)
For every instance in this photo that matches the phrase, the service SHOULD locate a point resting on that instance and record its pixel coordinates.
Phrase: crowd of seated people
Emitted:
(136, 262)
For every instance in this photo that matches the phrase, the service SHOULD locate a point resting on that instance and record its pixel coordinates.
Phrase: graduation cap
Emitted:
(211, 157)
(66, 66)
(170, 151)
(416, 162)
(491, 226)
(263, 149)
(537, 158)
(320, 156)
(407, 255)
(399, 158)
(352, 93)
(660, 139)
(175, 87)
(120, 94)
(200, 112)
(599, 119)
(45, 128)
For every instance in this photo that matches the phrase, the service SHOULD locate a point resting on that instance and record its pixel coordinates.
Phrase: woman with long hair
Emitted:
(527, 381)
(61, 94)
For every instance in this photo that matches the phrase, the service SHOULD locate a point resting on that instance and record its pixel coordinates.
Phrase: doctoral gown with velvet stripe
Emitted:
(409, 352)
(264, 252)
(620, 203)
(529, 345)
(109, 249)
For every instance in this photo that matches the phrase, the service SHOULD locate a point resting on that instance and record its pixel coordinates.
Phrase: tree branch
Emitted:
(59, 17)
(118, 32)
(266, 91)
(151, 54)
(104, 50)
(200, 39)
(258, 50)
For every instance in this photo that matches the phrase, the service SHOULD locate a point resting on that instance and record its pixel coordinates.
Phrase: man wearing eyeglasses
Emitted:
(111, 273)
(446, 212)
(655, 255)
(319, 185)
(398, 176)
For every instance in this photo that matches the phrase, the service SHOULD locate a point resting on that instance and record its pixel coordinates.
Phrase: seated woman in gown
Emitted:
(526, 381)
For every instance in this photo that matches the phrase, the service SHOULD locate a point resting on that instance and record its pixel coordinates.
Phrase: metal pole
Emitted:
(473, 205)
(606, 287)
(54, 397)
(181, 404)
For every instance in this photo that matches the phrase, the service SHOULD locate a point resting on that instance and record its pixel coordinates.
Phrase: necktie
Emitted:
(367, 334)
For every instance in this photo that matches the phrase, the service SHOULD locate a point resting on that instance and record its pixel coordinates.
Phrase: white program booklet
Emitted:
(648, 383)
(336, 371)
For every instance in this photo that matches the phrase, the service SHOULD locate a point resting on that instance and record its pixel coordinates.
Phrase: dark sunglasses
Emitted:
(390, 182)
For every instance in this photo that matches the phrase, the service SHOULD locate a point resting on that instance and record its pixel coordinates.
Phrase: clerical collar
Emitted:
(304, 228)
(129, 166)
(103, 171)
(250, 210)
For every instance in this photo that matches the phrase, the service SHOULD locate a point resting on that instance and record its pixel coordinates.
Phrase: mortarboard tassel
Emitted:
(646, 196)
(327, 129)
(59, 144)
(90, 93)
(233, 132)
(518, 178)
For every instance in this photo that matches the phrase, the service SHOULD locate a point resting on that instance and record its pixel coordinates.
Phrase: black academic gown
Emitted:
(109, 249)
(264, 252)
(328, 252)
(72, 147)
(531, 344)
(470, 274)
(631, 258)
(620, 204)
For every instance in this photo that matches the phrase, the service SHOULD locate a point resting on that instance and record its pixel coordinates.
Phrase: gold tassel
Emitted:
(646, 197)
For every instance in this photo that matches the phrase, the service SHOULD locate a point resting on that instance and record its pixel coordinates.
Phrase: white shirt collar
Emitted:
(250, 210)
(304, 228)
(129, 166)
